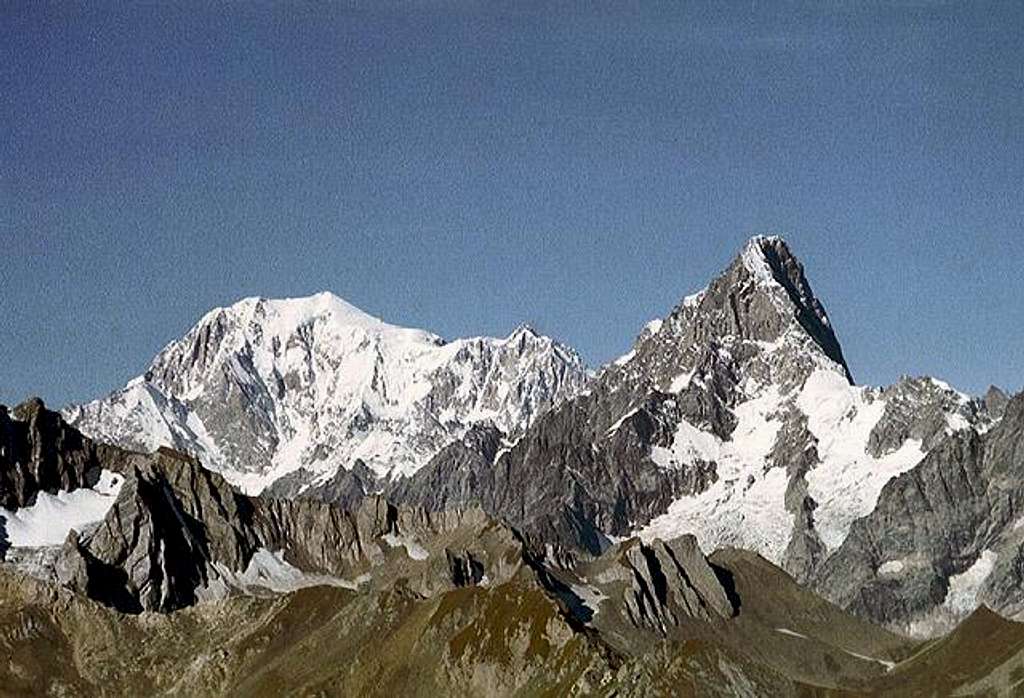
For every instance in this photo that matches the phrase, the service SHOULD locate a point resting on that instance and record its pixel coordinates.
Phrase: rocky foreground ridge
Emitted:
(256, 595)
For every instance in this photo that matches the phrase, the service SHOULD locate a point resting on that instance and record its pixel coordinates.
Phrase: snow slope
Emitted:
(49, 520)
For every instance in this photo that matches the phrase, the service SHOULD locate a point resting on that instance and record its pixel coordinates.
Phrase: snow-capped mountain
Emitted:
(268, 388)
(734, 418)
(807, 452)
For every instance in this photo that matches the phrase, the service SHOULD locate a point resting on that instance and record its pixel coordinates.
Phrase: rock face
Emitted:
(40, 453)
(179, 534)
(454, 478)
(171, 523)
(945, 537)
(568, 481)
(925, 409)
(173, 534)
(306, 387)
(671, 581)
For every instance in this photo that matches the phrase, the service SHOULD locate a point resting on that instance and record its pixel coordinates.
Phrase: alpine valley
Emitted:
(297, 498)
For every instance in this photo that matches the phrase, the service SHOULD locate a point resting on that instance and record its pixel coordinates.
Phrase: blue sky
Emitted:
(467, 166)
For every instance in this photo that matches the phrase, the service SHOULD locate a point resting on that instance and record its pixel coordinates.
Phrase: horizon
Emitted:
(467, 168)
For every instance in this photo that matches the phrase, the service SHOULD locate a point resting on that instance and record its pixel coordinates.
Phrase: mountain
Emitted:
(306, 387)
(734, 418)
(721, 511)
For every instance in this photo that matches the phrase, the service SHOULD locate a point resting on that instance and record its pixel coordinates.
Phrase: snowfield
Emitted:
(848, 482)
(746, 505)
(53, 516)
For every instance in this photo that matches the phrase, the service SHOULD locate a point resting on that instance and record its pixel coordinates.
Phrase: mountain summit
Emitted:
(759, 317)
(305, 386)
(771, 261)
(733, 418)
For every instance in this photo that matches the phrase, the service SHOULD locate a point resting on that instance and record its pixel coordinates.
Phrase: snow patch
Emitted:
(506, 447)
(53, 516)
(268, 570)
(745, 507)
(884, 662)
(848, 481)
(625, 358)
(964, 588)
(615, 427)
(891, 568)
(689, 445)
(681, 382)
(694, 299)
(753, 259)
(413, 549)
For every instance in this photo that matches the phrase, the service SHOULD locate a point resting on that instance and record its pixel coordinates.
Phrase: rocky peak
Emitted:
(523, 330)
(29, 411)
(39, 452)
(759, 319)
(995, 400)
(772, 254)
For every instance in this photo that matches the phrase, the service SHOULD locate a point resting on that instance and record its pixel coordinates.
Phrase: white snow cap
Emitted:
(324, 377)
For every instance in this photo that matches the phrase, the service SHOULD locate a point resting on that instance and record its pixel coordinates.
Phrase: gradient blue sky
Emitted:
(466, 166)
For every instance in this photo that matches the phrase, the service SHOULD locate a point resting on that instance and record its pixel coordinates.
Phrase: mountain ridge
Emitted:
(719, 510)
(735, 417)
(259, 389)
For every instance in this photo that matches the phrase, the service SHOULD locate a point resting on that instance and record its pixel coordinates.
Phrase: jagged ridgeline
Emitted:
(299, 498)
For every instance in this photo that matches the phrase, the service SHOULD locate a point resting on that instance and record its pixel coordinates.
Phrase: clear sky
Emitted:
(464, 166)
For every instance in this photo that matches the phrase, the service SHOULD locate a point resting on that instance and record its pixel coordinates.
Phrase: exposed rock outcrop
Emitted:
(944, 537)
(670, 582)
(40, 453)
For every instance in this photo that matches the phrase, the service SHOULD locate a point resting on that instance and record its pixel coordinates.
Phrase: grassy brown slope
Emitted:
(509, 639)
(505, 640)
(984, 655)
(825, 653)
